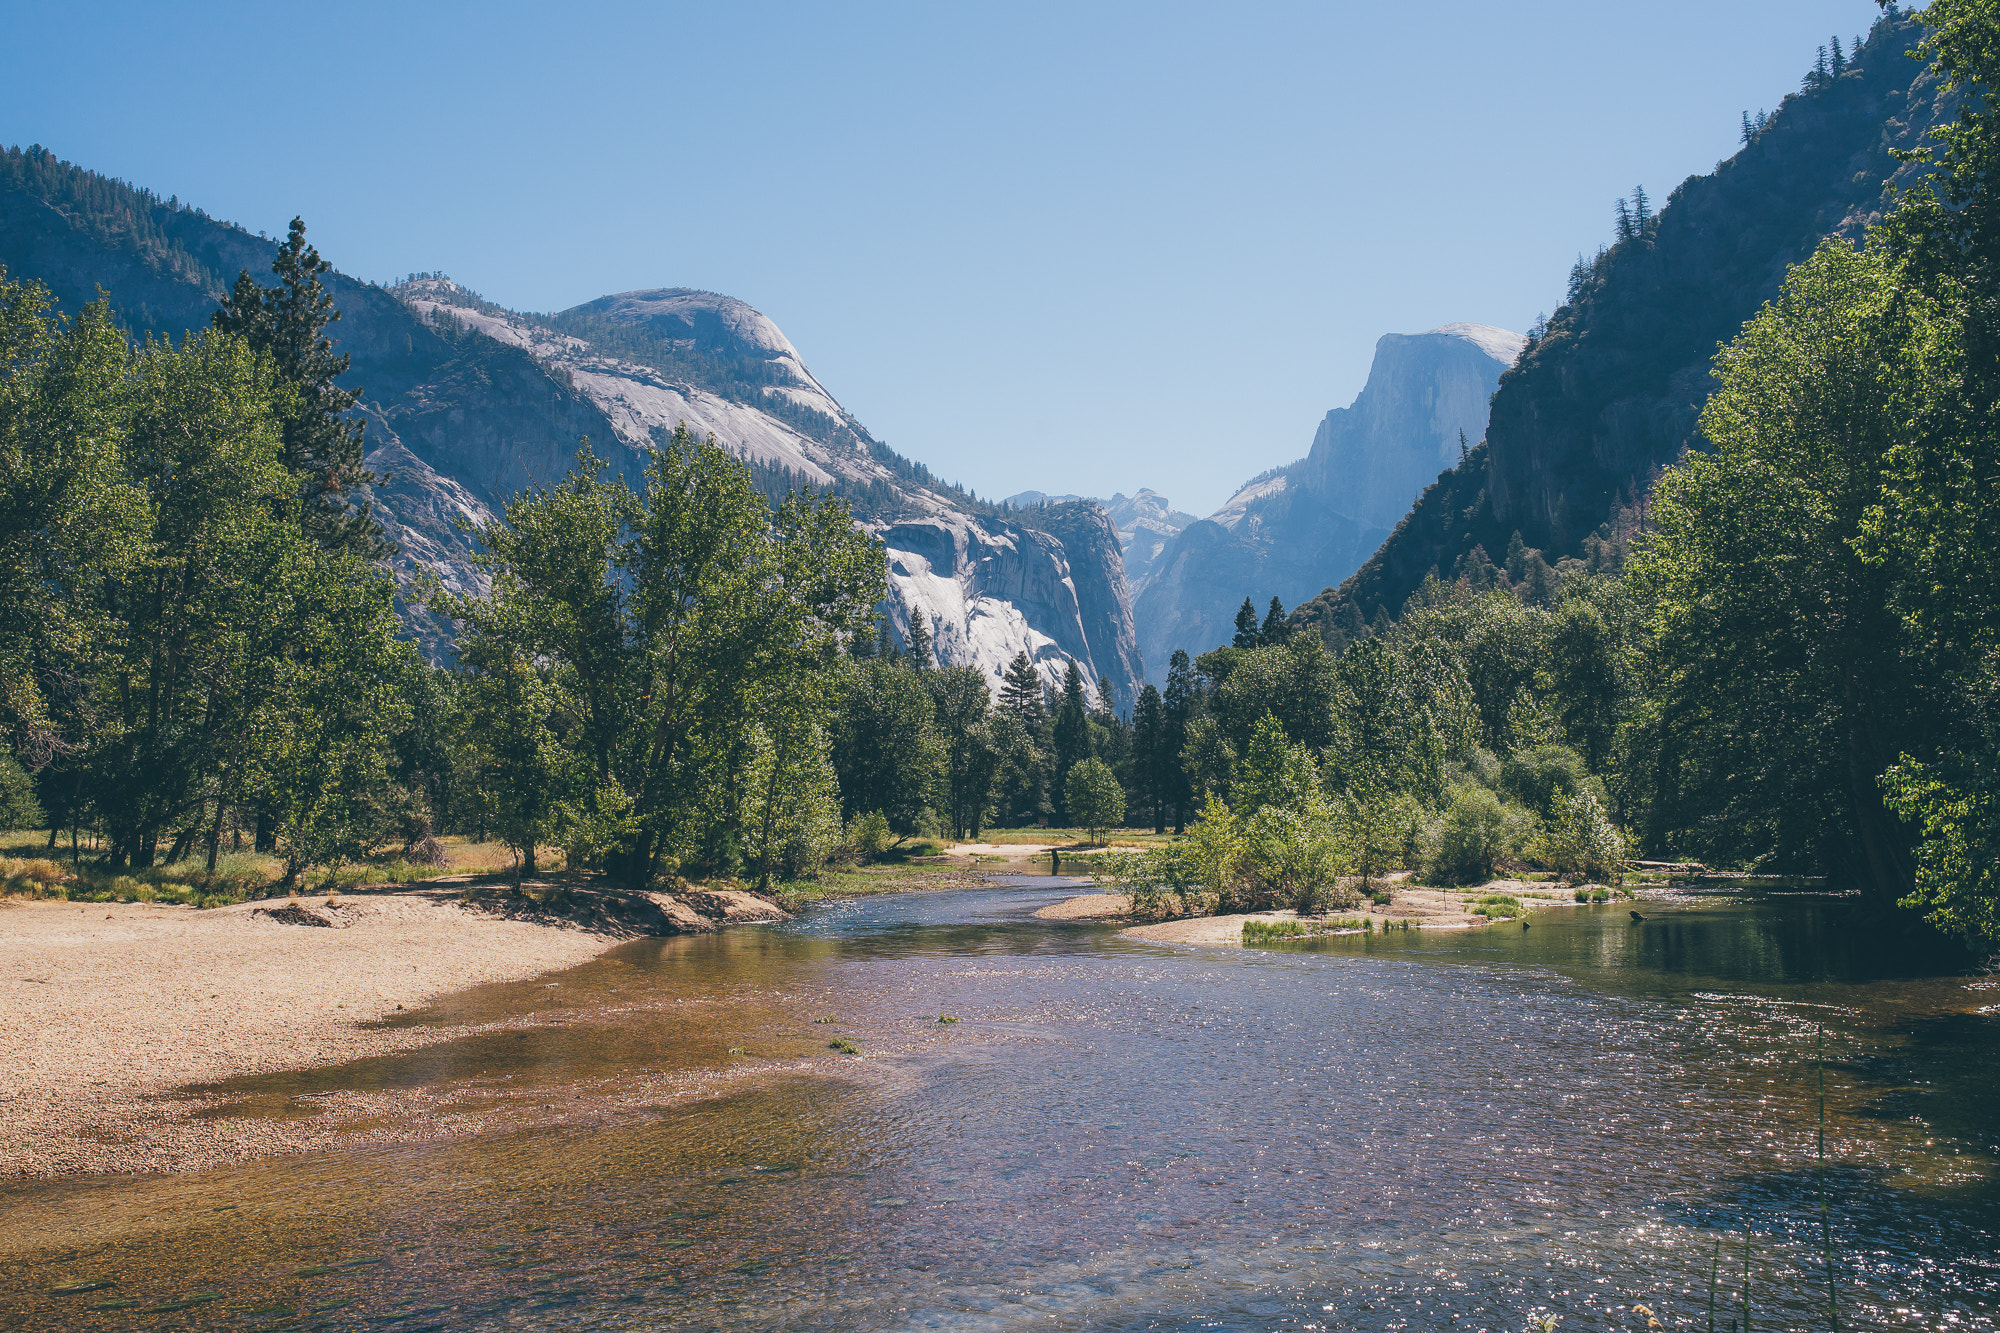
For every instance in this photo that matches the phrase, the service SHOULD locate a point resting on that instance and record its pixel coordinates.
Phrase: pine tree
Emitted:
(1275, 630)
(1105, 713)
(323, 447)
(1349, 622)
(1021, 692)
(1642, 209)
(1748, 133)
(1626, 231)
(1072, 733)
(1839, 62)
(863, 645)
(1181, 705)
(1150, 755)
(1248, 635)
(919, 639)
(1517, 556)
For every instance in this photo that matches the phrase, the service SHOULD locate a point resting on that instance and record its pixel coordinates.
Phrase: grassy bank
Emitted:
(30, 869)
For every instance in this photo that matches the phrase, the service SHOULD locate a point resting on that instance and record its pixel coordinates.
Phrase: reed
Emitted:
(1273, 932)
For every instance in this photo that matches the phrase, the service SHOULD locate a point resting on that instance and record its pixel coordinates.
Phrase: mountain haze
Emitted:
(1286, 534)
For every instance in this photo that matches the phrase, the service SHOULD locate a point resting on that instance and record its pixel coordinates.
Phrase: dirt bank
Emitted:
(111, 1005)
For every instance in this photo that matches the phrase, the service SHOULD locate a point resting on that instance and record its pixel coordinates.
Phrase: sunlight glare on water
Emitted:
(1412, 1131)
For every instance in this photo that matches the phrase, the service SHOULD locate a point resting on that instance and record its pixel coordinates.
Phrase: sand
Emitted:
(1088, 907)
(1429, 909)
(108, 1006)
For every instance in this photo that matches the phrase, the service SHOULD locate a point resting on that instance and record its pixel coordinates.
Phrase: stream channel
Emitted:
(1414, 1130)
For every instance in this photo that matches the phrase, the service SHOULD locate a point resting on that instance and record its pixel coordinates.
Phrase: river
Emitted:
(1444, 1130)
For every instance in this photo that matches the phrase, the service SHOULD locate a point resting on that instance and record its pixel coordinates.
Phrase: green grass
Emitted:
(1496, 906)
(1277, 932)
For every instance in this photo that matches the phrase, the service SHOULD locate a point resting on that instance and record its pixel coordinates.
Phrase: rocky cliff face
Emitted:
(468, 403)
(1289, 532)
(1613, 390)
(1145, 522)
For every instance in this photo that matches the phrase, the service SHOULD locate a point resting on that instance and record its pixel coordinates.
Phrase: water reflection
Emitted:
(1410, 1131)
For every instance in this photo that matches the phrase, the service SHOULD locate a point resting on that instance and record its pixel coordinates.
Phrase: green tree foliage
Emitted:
(71, 514)
(1249, 634)
(1581, 841)
(920, 640)
(1021, 692)
(1152, 758)
(1020, 787)
(962, 719)
(672, 633)
(1096, 801)
(323, 446)
(1783, 680)
(1541, 777)
(1070, 735)
(1181, 704)
(1468, 839)
(182, 649)
(887, 751)
(19, 809)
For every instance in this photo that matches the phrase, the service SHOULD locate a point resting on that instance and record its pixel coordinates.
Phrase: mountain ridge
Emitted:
(468, 402)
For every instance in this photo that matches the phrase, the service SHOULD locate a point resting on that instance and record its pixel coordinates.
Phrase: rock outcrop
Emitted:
(1290, 532)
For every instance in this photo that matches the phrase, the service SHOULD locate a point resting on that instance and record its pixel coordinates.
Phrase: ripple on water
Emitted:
(1406, 1132)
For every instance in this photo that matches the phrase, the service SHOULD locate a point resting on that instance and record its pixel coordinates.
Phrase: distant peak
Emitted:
(1502, 345)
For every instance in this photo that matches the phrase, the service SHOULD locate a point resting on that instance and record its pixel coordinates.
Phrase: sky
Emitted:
(1066, 247)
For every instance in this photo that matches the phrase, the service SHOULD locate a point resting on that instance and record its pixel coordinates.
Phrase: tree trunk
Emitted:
(267, 837)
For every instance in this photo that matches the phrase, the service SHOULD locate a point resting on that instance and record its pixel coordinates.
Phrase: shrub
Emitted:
(35, 877)
(1293, 858)
(18, 807)
(1581, 840)
(1496, 906)
(1539, 776)
(869, 835)
(1467, 838)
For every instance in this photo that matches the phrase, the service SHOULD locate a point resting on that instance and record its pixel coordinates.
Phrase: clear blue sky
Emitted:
(1060, 247)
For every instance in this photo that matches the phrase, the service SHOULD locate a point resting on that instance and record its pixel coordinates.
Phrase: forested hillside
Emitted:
(1610, 390)
(467, 403)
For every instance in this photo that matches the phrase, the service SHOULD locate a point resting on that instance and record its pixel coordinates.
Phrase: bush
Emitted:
(1581, 840)
(1467, 838)
(1537, 778)
(1496, 906)
(18, 807)
(34, 877)
(1292, 858)
(868, 835)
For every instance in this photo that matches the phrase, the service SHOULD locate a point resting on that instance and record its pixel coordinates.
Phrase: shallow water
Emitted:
(1451, 1130)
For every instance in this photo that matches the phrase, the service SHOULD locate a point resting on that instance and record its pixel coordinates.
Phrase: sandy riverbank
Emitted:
(110, 1005)
(1428, 909)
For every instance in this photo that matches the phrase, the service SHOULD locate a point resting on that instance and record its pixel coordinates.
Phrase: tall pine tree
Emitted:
(1072, 733)
(322, 446)
(1275, 630)
(1021, 692)
(1248, 634)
